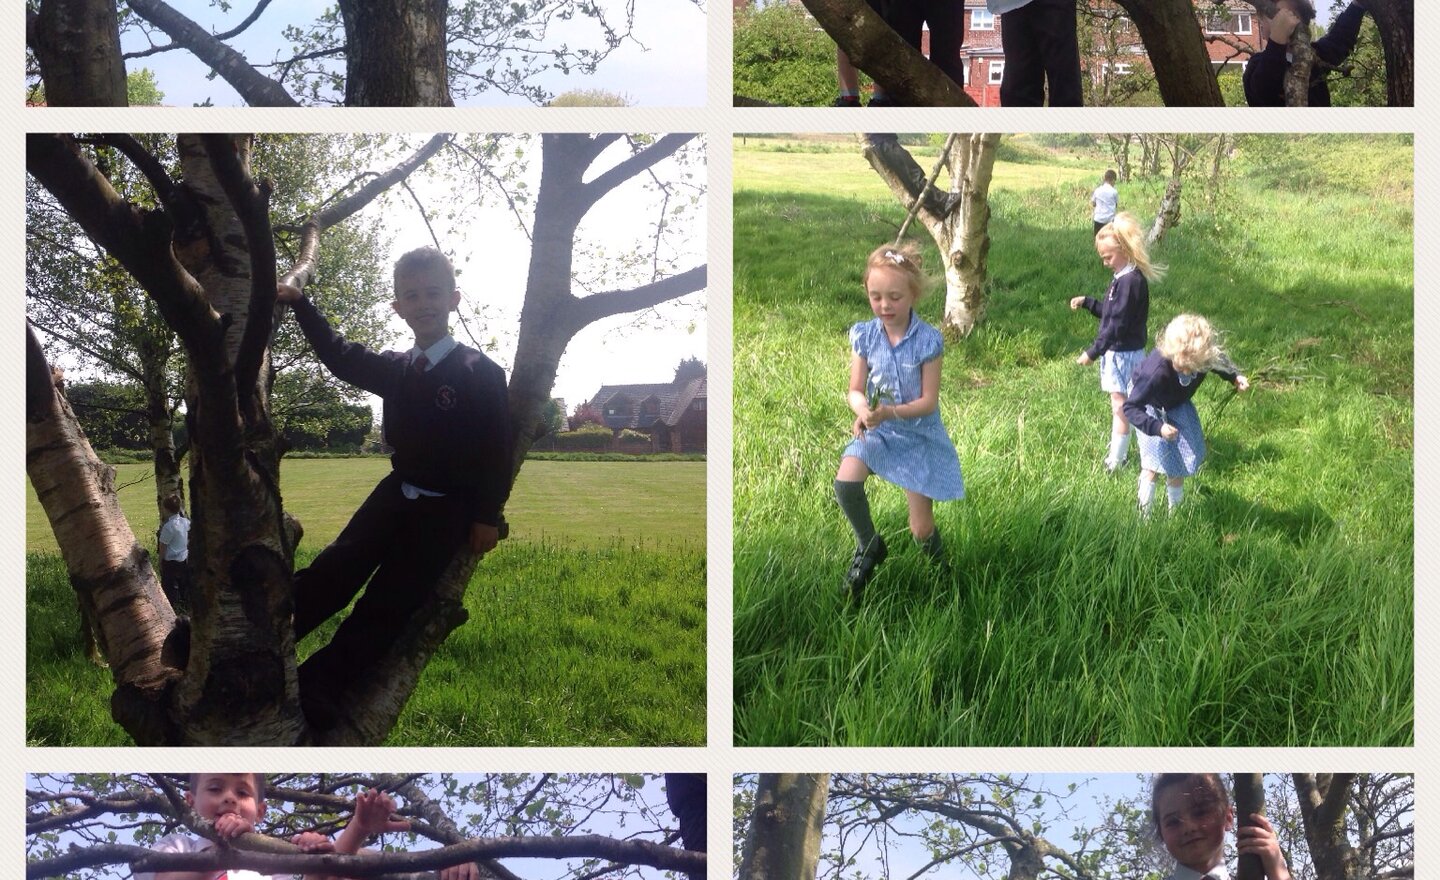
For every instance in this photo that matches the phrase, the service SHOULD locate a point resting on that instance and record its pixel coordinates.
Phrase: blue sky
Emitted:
(668, 71)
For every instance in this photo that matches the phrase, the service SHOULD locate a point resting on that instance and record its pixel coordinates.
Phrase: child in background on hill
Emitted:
(895, 394)
(1041, 44)
(175, 554)
(235, 802)
(1192, 812)
(1159, 405)
(1104, 200)
(1123, 313)
(446, 415)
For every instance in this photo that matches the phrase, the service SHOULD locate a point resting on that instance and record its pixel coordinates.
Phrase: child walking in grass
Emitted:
(895, 395)
(1192, 812)
(1171, 441)
(1123, 313)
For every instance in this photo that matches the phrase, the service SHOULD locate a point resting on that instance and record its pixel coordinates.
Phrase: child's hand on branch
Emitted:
(1242, 383)
(287, 293)
(1076, 302)
(231, 825)
(1283, 26)
(483, 538)
(1260, 840)
(1169, 432)
(372, 814)
(467, 871)
(313, 842)
(1084, 359)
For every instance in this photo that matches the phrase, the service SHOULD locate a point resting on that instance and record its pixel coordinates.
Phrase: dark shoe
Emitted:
(934, 549)
(862, 567)
(883, 101)
(847, 101)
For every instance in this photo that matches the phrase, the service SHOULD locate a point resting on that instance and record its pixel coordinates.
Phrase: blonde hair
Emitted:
(1125, 231)
(903, 258)
(1192, 345)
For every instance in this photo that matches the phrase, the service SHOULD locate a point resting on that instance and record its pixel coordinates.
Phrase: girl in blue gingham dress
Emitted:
(1159, 406)
(895, 395)
(1123, 313)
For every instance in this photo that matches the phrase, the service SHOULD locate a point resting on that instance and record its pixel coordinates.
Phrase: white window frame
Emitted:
(997, 71)
(1229, 24)
(977, 23)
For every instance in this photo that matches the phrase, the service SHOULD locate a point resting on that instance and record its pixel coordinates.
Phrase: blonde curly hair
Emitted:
(1192, 345)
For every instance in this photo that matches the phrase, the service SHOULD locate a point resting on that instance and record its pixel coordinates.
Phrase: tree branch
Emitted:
(255, 88)
(615, 302)
(905, 74)
(646, 158)
(233, 32)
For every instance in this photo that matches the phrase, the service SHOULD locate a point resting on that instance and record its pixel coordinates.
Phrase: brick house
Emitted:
(672, 414)
(1115, 47)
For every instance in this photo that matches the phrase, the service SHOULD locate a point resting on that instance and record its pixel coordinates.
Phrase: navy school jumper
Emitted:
(1264, 76)
(450, 429)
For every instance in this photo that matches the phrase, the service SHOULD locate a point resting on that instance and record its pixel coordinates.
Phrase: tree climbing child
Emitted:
(946, 21)
(235, 802)
(175, 554)
(1192, 812)
(895, 395)
(1104, 201)
(1159, 405)
(846, 73)
(1041, 46)
(446, 415)
(1123, 313)
(1264, 76)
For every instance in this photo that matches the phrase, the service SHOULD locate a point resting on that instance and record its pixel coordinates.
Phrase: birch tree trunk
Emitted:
(785, 827)
(871, 45)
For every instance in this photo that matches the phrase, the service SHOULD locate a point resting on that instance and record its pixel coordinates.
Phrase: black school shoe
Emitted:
(847, 101)
(862, 567)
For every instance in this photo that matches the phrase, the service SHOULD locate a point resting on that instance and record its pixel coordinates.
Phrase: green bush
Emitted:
(613, 456)
(782, 57)
(587, 436)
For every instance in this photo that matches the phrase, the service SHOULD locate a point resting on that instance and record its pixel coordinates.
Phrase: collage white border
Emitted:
(719, 121)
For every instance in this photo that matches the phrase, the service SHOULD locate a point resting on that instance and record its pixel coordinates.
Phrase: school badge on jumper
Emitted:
(445, 398)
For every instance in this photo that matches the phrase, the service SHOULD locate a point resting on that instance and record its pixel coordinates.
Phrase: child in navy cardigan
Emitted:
(446, 415)
(1264, 77)
(1159, 405)
(1123, 313)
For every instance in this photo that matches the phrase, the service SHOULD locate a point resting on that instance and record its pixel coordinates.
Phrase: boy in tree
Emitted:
(446, 415)
(234, 802)
(1264, 76)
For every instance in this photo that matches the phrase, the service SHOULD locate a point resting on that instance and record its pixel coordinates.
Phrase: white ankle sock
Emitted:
(1173, 494)
(1147, 493)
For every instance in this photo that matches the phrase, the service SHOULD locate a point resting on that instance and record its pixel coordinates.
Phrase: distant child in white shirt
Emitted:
(175, 554)
(1105, 200)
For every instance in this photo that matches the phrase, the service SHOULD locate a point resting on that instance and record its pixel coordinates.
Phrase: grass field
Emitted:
(1275, 608)
(586, 628)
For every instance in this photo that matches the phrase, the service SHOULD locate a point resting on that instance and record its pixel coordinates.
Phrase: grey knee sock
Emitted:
(856, 507)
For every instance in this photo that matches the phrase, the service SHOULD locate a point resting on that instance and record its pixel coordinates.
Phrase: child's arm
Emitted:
(1264, 77)
(1339, 41)
(489, 458)
(924, 405)
(350, 362)
(856, 397)
(1260, 840)
(372, 816)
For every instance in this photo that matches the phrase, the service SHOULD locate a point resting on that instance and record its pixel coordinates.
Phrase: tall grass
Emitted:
(1274, 608)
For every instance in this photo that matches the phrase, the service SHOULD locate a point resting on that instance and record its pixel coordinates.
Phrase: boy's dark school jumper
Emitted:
(1122, 315)
(1264, 76)
(1157, 384)
(450, 429)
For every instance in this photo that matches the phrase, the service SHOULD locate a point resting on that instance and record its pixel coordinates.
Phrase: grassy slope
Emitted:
(1276, 609)
(586, 628)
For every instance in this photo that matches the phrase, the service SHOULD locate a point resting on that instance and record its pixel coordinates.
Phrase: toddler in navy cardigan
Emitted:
(446, 415)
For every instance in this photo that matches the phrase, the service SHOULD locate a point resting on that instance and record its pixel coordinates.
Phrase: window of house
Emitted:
(1231, 23)
(698, 405)
(997, 72)
(982, 20)
(1122, 68)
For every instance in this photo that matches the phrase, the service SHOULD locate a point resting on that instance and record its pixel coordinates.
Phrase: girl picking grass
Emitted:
(895, 395)
(1123, 313)
(1159, 404)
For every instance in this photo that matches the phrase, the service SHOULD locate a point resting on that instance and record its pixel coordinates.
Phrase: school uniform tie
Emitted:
(420, 364)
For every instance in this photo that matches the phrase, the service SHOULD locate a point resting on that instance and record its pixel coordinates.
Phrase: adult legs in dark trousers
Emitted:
(1040, 44)
(946, 19)
(685, 793)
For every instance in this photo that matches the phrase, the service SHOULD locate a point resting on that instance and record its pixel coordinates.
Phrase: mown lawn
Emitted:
(1275, 609)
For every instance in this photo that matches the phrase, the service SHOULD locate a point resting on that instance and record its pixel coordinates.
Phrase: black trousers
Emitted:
(1040, 44)
(401, 546)
(946, 19)
(685, 793)
(175, 582)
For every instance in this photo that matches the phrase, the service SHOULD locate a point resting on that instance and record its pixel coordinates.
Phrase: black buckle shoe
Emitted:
(862, 567)
(847, 101)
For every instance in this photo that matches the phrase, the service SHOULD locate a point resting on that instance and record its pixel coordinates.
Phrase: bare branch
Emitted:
(254, 87)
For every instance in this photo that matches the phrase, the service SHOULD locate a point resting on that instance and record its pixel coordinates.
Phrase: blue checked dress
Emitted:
(1161, 395)
(914, 454)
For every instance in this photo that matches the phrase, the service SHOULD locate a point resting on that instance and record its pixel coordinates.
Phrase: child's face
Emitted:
(1193, 824)
(890, 295)
(424, 298)
(216, 794)
(1111, 254)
